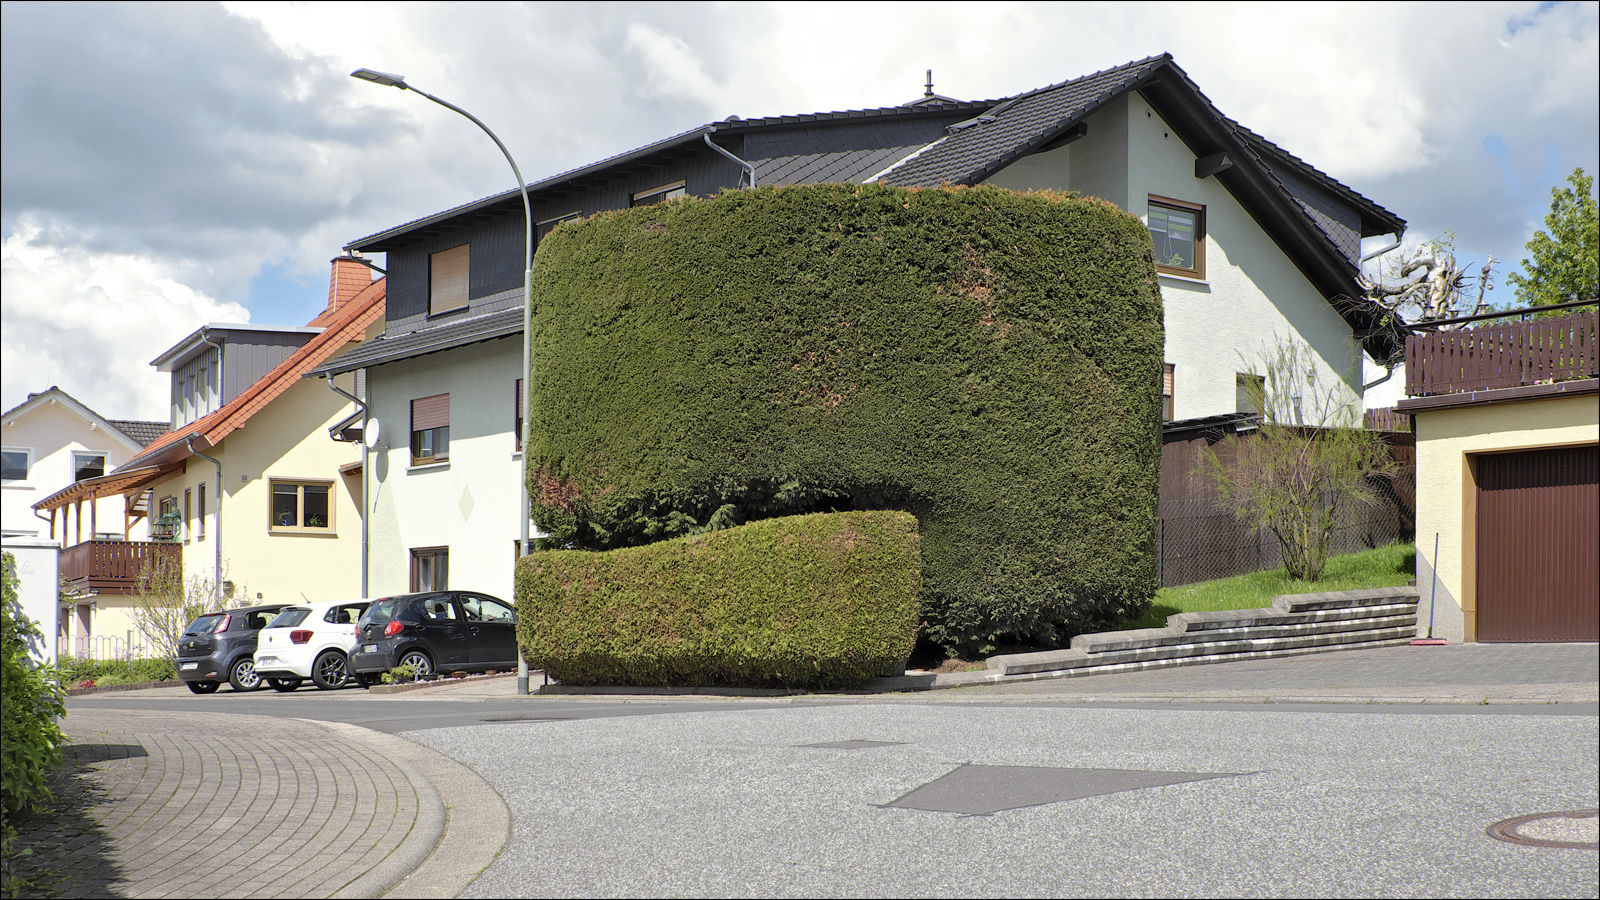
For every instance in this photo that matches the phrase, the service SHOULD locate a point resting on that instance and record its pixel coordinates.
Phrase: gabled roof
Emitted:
(393, 348)
(1031, 122)
(132, 433)
(348, 324)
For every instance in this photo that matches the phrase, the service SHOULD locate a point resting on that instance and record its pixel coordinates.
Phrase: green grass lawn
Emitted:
(1391, 566)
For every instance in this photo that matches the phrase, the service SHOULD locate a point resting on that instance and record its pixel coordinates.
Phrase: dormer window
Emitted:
(447, 279)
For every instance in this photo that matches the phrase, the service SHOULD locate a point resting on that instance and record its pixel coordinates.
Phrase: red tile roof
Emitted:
(349, 323)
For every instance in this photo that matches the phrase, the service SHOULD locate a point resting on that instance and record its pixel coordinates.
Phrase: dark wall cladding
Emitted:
(1340, 221)
(496, 264)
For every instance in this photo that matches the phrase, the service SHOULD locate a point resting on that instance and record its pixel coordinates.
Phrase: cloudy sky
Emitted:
(165, 166)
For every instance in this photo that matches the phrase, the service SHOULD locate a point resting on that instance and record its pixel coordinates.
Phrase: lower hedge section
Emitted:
(827, 600)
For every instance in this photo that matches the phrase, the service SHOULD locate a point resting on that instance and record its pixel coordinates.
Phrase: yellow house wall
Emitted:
(1252, 293)
(286, 439)
(1447, 444)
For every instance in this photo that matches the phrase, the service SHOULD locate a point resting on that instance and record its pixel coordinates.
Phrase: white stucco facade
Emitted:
(467, 505)
(51, 430)
(1252, 294)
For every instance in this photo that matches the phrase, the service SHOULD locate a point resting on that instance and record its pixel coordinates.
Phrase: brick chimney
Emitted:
(349, 279)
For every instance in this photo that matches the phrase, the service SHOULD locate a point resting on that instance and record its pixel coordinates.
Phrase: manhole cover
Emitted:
(853, 745)
(982, 790)
(1574, 829)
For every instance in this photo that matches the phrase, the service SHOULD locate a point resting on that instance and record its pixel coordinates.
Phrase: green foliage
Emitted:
(986, 360)
(30, 740)
(815, 601)
(71, 670)
(399, 675)
(167, 603)
(1310, 458)
(1566, 258)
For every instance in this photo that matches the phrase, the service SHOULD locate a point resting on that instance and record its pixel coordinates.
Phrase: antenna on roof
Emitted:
(927, 90)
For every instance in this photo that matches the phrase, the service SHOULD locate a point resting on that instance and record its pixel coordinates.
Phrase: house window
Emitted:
(188, 513)
(302, 507)
(657, 194)
(447, 280)
(1167, 373)
(549, 225)
(430, 429)
(201, 529)
(516, 414)
(17, 461)
(87, 465)
(1177, 229)
(1249, 393)
(430, 569)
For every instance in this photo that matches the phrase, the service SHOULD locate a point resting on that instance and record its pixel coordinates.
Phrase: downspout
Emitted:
(748, 167)
(366, 425)
(216, 576)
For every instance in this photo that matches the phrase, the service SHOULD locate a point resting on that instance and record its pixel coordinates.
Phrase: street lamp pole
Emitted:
(397, 81)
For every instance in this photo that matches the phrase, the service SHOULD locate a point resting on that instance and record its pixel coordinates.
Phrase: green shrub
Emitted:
(816, 601)
(399, 675)
(70, 670)
(30, 740)
(986, 360)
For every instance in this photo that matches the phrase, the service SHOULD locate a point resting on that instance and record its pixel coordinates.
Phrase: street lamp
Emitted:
(399, 81)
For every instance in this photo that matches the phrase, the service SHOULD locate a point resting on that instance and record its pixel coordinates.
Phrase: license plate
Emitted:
(187, 666)
(267, 661)
(369, 648)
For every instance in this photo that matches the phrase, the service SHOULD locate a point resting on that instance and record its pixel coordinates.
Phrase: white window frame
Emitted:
(27, 466)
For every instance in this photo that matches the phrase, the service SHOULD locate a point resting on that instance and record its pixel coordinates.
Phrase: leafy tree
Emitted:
(1566, 253)
(1309, 460)
(167, 604)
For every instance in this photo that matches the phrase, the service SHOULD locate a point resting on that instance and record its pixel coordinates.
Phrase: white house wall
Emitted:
(1252, 293)
(53, 431)
(468, 504)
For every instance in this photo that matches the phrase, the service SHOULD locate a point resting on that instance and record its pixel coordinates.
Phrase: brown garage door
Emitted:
(1538, 562)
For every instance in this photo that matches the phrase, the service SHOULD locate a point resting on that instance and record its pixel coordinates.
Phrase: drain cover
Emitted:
(981, 790)
(1574, 829)
(853, 745)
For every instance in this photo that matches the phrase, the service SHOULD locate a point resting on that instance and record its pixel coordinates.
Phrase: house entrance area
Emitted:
(1538, 545)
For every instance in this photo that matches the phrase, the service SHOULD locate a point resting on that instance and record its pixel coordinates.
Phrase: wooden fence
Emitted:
(1538, 351)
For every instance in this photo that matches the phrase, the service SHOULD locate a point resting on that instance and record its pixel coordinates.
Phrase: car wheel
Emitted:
(330, 671)
(284, 684)
(203, 687)
(243, 675)
(419, 662)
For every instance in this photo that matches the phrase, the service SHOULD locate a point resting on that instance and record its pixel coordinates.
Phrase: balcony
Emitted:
(112, 567)
(1510, 361)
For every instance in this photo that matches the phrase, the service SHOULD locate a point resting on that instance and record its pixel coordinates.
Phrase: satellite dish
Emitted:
(370, 435)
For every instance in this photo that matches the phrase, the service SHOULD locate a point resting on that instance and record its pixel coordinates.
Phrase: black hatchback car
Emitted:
(221, 646)
(435, 633)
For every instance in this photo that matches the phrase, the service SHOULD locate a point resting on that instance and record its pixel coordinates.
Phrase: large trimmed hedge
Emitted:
(987, 360)
(817, 601)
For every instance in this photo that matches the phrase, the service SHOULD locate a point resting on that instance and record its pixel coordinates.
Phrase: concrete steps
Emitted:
(1292, 625)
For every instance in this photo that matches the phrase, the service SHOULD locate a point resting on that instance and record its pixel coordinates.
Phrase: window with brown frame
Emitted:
(447, 279)
(430, 569)
(1167, 384)
(301, 507)
(430, 430)
(516, 415)
(201, 529)
(1178, 231)
(659, 194)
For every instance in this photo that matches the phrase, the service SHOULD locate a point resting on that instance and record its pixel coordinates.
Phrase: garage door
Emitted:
(1537, 531)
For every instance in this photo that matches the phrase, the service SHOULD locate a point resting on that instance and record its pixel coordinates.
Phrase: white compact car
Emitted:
(310, 640)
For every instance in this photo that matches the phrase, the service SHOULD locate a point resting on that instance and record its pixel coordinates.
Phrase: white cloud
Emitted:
(674, 69)
(91, 322)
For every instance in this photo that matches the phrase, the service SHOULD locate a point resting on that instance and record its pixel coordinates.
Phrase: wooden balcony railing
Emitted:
(1538, 351)
(112, 567)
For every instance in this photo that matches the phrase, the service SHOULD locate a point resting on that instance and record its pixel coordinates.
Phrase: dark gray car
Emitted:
(435, 633)
(221, 646)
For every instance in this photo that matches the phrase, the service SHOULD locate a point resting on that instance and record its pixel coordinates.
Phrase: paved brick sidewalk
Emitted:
(213, 805)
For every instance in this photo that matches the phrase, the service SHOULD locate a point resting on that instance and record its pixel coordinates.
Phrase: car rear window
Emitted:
(206, 624)
(292, 616)
(381, 611)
